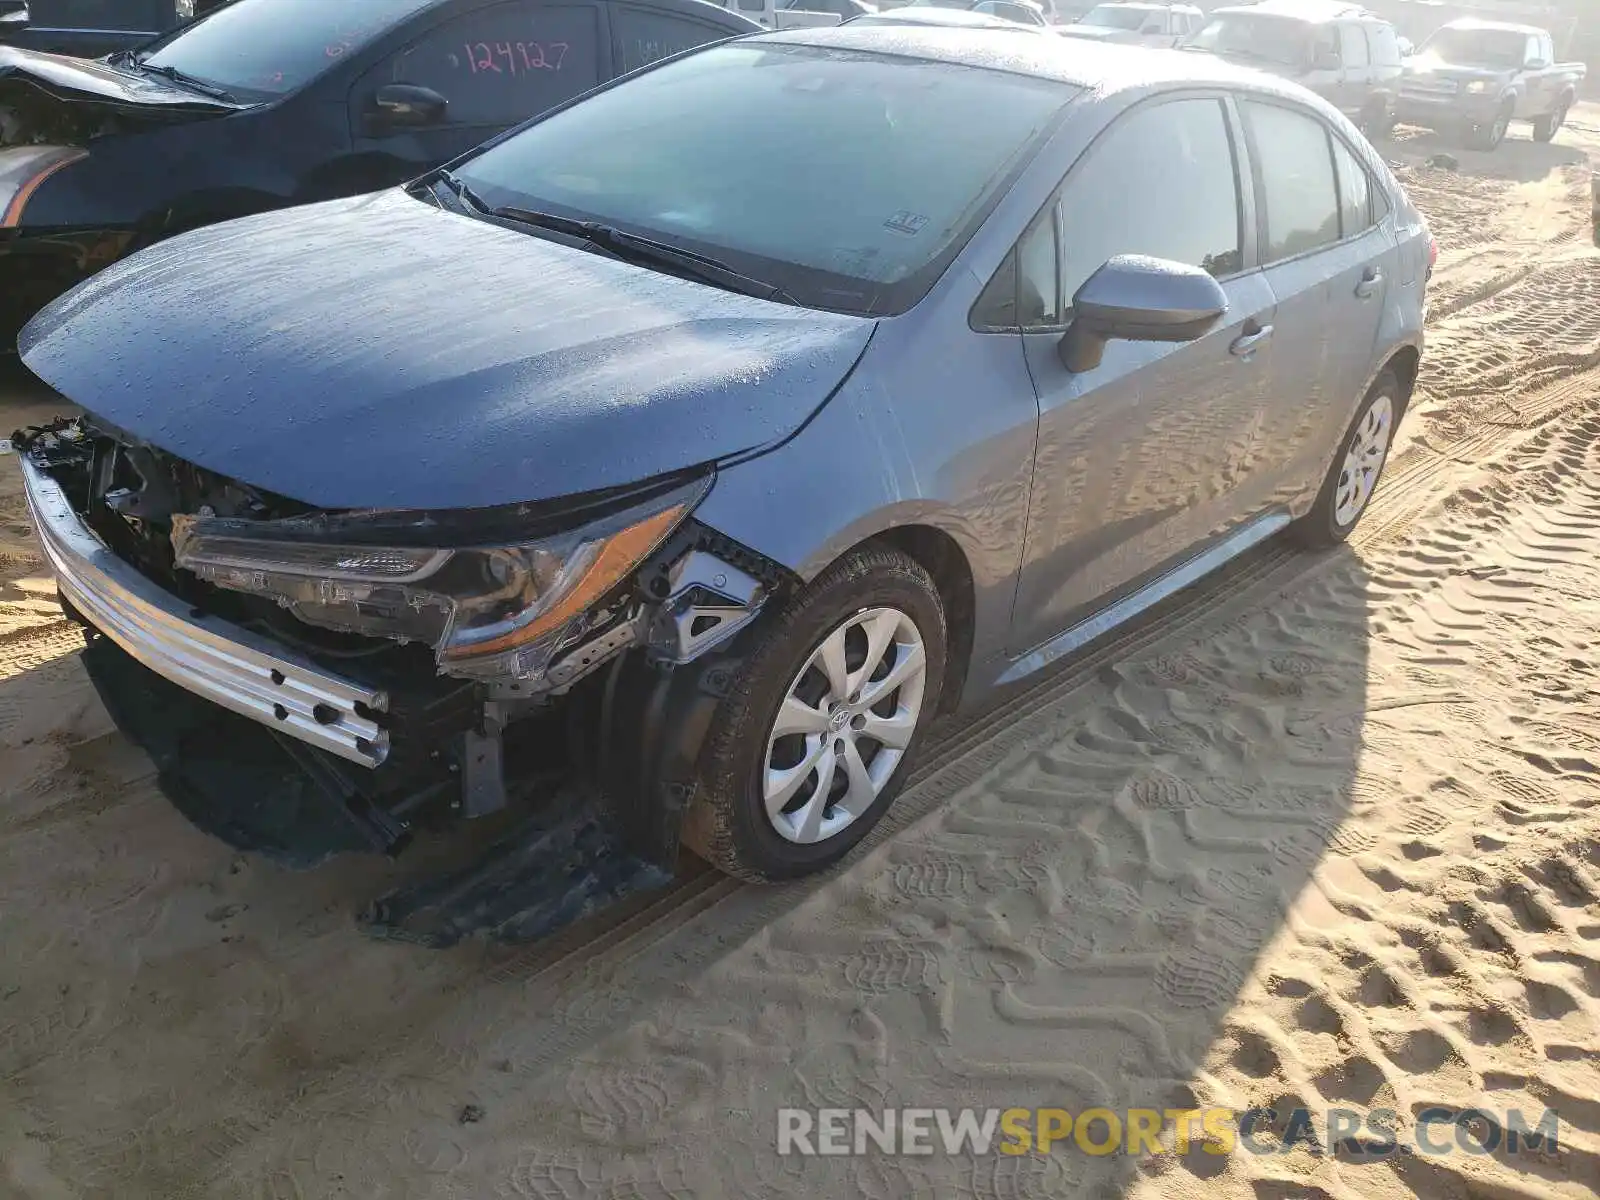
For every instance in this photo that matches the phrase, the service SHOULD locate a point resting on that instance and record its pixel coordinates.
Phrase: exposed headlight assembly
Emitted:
(1477, 87)
(489, 612)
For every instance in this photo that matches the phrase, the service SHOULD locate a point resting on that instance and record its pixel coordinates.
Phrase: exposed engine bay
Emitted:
(509, 645)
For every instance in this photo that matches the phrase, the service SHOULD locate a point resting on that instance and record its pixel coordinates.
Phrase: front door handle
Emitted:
(1370, 279)
(1250, 341)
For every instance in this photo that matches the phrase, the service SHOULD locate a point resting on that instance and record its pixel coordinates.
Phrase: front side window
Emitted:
(849, 179)
(1295, 165)
(1352, 45)
(500, 65)
(1161, 182)
(259, 49)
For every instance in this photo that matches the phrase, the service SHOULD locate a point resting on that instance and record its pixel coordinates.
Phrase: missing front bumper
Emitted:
(215, 659)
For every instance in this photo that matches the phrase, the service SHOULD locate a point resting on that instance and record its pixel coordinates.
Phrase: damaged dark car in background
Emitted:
(707, 438)
(265, 103)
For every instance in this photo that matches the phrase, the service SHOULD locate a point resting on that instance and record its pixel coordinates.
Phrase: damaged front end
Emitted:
(383, 665)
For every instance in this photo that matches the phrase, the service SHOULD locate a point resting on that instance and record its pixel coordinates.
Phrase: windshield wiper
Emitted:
(645, 251)
(459, 188)
(131, 59)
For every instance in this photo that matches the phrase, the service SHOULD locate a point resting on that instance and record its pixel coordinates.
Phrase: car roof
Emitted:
(1083, 63)
(1492, 26)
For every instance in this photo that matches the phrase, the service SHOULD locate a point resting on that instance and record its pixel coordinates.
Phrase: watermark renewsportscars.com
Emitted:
(1375, 1134)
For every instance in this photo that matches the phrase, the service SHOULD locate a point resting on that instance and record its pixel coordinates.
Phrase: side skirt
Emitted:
(1122, 611)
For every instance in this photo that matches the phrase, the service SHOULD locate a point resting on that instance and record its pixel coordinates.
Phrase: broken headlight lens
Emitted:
(488, 611)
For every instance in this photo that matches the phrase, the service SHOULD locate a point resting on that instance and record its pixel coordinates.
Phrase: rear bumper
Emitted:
(215, 659)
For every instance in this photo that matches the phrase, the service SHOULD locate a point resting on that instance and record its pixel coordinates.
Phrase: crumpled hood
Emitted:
(379, 352)
(83, 79)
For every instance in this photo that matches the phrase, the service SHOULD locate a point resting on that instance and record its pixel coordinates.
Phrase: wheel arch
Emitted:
(942, 557)
(1405, 362)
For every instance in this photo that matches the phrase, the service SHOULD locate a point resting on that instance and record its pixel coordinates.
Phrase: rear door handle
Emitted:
(1370, 279)
(1248, 343)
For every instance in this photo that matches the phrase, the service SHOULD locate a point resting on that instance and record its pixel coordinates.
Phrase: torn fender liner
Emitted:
(79, 80)
(550, 873)
(581, 854)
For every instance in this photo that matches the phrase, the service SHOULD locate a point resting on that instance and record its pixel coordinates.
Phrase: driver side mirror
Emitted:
(1326, 60)
(405, 106)
(1136, 298)
(1535, 64)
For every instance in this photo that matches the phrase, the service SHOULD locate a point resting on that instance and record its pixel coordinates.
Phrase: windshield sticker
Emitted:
(908, 223)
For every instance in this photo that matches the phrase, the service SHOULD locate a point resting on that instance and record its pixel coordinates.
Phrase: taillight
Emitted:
(1433, 256)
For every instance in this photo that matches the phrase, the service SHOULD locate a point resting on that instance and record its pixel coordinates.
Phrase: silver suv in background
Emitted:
(1344, 53)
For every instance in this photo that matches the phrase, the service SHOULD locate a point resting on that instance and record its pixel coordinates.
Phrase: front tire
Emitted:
(811, 744)
(1357, 467)
(1488, 137)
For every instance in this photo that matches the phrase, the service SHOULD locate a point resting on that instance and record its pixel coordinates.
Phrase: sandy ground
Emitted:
(1326, 833)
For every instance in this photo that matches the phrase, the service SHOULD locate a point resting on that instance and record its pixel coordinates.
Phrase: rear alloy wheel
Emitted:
(810, 746)
(1351, 480)
(1544, 128)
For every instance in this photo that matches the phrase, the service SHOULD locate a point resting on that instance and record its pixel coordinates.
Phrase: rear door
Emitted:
(495, 66)
(1330, 262)
(1142, 458)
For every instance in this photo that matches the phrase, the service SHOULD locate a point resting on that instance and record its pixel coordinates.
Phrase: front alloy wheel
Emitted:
(844, 725)
(829, 700)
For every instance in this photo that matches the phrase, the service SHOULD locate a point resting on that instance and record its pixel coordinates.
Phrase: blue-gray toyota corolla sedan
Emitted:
(750, 412)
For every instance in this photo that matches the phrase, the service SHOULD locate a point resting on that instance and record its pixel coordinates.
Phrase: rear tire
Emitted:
(803, 701)
(1357, 466)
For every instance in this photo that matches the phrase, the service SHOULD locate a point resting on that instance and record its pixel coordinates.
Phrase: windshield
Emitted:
(1109, 16)
(1282, 41)
(849, 180)
(258, 49)
(1476, 47)
(962, 4)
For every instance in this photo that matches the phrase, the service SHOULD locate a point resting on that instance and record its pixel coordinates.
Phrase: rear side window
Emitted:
(1161, 181)
(501, 65)
(1352, 46)
(1355, 191)
(644, 36)
(1295, 164)
(1383, 45)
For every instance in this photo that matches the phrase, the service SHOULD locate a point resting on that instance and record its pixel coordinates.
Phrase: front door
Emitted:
(1146, 456)
(494, 67)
